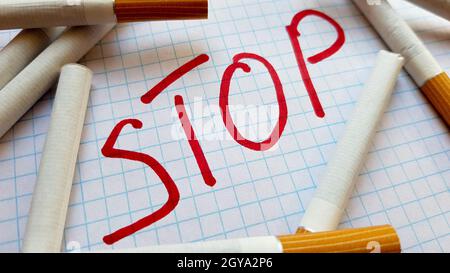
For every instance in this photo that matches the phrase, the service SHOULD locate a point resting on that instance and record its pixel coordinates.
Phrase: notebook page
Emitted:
(404, 181)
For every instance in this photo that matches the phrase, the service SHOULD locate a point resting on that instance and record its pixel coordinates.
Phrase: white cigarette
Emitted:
(51, 194)
(438, 7)
(30, 84)
(419, 62)
(353, 240)
(21, 50)
(265, 244)
(38, 13)
(330, 200)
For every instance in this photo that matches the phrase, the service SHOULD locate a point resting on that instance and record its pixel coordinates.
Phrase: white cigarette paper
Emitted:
(330, 200)
(21, 50)
(51, 194)
(438, 7)
(46, 13)
(30, 84)
(267, 244)
(396, 33)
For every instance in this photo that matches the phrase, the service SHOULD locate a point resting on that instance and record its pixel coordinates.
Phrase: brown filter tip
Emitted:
(154, 10)
(437, 90)
(377, 239)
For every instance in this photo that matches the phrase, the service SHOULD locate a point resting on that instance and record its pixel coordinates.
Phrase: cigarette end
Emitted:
(377, 239)
(437, 90)
(139, 10)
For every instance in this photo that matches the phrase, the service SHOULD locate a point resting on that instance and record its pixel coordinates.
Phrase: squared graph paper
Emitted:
(404, 182)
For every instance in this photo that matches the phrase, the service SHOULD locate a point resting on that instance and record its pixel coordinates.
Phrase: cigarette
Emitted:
(420, 64)
(327, 206)
(33, 81)
(438, 7)
(21, 50)
(38, 14)
(51, 194)
(383, 239)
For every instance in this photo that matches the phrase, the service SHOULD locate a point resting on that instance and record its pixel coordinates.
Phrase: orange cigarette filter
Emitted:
(381, 239)
(437, 90)
(152, 10)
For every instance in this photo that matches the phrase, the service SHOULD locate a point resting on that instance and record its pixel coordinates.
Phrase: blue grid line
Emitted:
(436, 137)
(163, 125)
(250, 161)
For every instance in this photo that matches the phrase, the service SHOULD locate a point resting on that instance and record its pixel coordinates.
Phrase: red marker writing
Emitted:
(223, 103)
(108, 150)
(294, 34)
